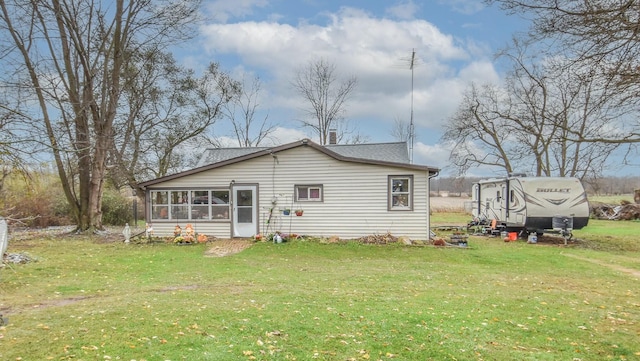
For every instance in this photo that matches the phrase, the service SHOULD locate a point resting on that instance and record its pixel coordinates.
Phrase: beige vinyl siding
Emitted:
(354, 195)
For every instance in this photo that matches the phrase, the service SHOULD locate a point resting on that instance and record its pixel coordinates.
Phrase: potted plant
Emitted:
(286, 212)
(299, 212)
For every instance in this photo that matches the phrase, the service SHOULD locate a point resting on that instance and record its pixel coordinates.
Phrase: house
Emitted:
(349, 191)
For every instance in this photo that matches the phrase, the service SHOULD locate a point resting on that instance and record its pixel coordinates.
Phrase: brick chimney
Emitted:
(333, 136)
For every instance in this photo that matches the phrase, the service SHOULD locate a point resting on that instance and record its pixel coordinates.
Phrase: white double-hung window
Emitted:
(400, 194)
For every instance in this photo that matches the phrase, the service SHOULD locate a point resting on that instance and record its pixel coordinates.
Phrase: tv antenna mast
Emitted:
(411, 126)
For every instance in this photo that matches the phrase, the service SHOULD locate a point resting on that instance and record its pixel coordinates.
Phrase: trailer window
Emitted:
(400, 193)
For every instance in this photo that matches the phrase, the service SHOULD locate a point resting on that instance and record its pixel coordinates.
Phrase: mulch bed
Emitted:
(226, 247)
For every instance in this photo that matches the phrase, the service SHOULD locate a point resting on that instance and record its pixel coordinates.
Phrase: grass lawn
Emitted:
(303, 300)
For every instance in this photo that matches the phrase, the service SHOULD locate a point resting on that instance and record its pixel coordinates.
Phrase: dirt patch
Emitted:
(615, 267)
(557, 240)
(24, 235)
(226, 247)
(178, 288)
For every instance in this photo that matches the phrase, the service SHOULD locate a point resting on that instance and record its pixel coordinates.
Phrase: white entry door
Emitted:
(245, 210)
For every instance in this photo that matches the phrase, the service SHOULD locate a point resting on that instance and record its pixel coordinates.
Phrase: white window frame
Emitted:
(189, 204)
(400, 198)
(309, 188)
(159, 211)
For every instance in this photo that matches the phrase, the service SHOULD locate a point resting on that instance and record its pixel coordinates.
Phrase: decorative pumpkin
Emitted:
(202, 238)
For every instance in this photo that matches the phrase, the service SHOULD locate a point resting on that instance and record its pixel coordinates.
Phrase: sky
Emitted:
(454, 43)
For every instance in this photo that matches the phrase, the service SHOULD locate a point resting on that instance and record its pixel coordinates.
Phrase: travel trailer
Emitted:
(530, 204)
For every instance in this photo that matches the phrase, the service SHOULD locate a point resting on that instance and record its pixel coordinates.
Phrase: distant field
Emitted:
(615, 199)
(448, 204)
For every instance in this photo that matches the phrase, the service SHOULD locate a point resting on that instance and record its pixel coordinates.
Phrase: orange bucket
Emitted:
(513, 236)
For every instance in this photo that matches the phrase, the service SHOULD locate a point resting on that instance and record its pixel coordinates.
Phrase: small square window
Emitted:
(308, 193)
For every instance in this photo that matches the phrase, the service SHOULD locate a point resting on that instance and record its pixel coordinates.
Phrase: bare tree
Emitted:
(355, 137)
(478, 132)
(534, 122)
(241, 111)
(69, 55)
(166, 107)
(401, 130)
(318, 84)
(601, 37)
(8, 148)
(14, 122)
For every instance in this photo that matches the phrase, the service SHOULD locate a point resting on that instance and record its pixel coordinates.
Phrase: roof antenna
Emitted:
(411, 127)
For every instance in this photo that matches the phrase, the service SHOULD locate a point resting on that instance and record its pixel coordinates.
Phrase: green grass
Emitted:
(88, 300)
(450, 218)
(620, 236)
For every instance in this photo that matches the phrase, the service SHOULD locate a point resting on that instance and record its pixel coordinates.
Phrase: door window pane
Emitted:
(244, 197)
(245, 214)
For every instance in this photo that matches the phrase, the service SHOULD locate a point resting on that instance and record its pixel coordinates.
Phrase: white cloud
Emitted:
(280, 135)
(283, 135)
(351, 37)
(223, 10)
(437, 155)
(404, 10)
(432, 155)
(375, 50)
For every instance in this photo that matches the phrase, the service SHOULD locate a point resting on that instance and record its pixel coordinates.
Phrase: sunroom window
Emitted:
(201, 204)
(159, 204)
(400, 195)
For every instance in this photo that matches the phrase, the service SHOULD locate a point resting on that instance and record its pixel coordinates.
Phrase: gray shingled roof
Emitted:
(377, 153)
(215, 155)
(385, 152)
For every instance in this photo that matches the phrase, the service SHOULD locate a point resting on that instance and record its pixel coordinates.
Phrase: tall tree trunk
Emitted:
(74, 52)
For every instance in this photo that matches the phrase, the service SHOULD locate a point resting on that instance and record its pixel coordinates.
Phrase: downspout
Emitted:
(429, 202)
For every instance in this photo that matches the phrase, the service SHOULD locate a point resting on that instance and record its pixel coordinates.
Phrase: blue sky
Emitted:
(454, 41)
